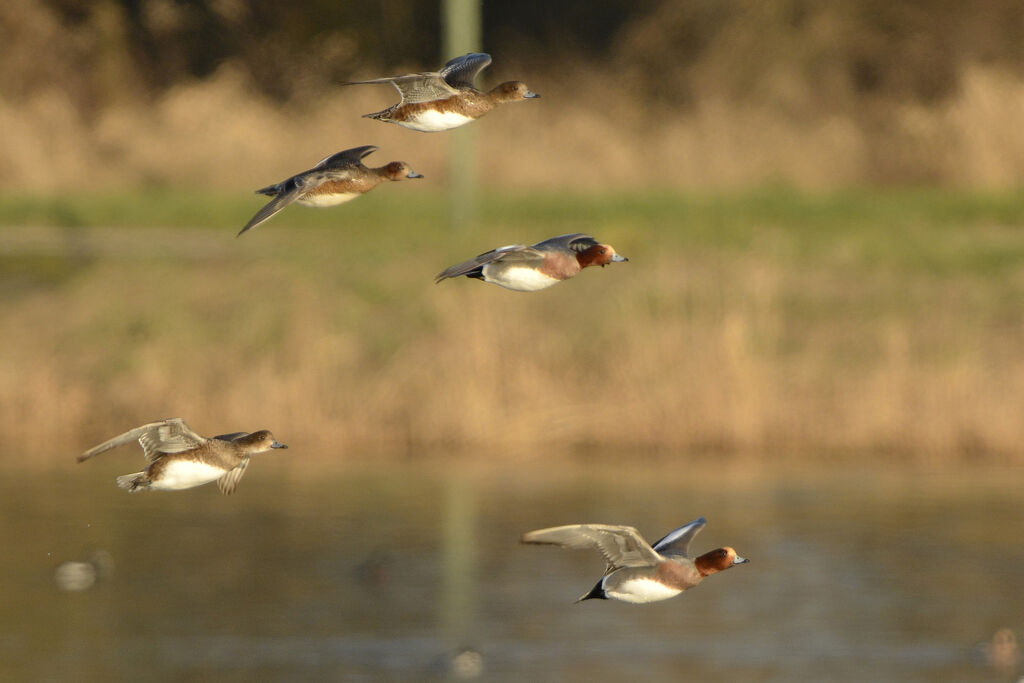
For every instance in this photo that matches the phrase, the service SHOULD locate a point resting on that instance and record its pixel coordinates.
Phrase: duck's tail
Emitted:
(133, 482)
(596, 593)
(382, 115)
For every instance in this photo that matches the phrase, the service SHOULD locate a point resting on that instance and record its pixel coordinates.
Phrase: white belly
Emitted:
(642, 590)
(519, 279)
(326, 199)
(184, 474)
(433, 121)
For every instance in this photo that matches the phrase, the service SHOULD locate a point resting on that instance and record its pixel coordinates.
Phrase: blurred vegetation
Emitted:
(731, 92)
(771, 319)
(675, 51)
(807, 328)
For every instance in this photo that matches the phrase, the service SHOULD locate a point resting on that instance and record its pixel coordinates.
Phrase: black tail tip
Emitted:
(596, 593)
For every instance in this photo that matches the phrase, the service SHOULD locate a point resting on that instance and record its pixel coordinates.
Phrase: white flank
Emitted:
(327, 199)
(642, 590)
(523, 279)
(433, 121)
(184, 474)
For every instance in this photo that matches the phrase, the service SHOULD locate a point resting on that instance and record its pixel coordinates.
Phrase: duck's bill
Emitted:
(740, 560)
(414, 174)
(531, 95)
(278, 444)
(619, 258)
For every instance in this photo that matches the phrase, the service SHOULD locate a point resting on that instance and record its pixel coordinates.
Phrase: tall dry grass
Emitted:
(218, 133)
(682, 353)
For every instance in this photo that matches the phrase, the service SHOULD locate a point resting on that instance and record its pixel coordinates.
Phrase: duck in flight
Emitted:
(181, 459)
(638, 572)
(335, 180)
(441, 100)
(528, 269)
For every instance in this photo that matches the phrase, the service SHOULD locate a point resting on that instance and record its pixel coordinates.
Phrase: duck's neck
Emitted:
(705, 565)
(588, 257)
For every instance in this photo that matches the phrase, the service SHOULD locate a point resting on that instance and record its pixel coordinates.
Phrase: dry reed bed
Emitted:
(218, 134)
(674, 355)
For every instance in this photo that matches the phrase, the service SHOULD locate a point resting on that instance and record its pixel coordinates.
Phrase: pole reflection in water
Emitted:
(459, 604)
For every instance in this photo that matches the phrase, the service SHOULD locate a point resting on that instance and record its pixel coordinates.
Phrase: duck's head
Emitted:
(259, 442)
(512, 91)
(399, 170)
(718, 560)
(599, 255)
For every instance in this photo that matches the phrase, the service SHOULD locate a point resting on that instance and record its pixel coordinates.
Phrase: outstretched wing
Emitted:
(462, 71)
(229, 481)
(229, 437)
(677, 543)
(621, 546)
(291, 190)
(346, 157)
(421, 87)
(513, 253)
(574, 241)
(166, 436)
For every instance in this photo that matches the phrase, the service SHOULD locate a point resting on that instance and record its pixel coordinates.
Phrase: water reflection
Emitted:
(392, 575)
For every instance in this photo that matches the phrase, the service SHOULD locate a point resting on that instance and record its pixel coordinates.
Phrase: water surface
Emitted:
(381, 575)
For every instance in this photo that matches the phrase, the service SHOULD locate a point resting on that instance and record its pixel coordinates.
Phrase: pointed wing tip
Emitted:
(249, 226)
(529, 538)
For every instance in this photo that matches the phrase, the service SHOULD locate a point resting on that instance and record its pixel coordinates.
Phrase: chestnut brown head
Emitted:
(718, 560)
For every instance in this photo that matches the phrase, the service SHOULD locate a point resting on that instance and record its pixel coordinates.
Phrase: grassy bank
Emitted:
(766, 324)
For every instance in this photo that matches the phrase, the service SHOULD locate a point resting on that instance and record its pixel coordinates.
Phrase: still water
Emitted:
(387, 574)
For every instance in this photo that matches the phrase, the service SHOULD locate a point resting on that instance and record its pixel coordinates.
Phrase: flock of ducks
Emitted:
(179, 458)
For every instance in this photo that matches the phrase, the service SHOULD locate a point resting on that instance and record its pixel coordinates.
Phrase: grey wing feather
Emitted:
(421, 87)
(346, 157)
(513, 252)
(275, 205)
(173, 436)
(621, 546)
(462, 71)
(677, 543)
(149, 437)
(229, 482)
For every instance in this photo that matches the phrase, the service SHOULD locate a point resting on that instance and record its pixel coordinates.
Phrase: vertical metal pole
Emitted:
(459, 588)
(458, 595)
(461, 35)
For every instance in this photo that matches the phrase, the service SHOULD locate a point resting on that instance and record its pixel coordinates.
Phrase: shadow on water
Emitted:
(418, 575)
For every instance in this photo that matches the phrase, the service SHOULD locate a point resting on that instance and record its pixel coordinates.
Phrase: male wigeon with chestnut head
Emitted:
(527, 269)
(441, 100)
(638, 572)
(335, 180)
(179, 458)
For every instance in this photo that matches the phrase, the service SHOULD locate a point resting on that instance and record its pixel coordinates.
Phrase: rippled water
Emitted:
(385, 575)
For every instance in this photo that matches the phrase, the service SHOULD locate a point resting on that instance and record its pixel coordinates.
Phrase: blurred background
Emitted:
(820, 328)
